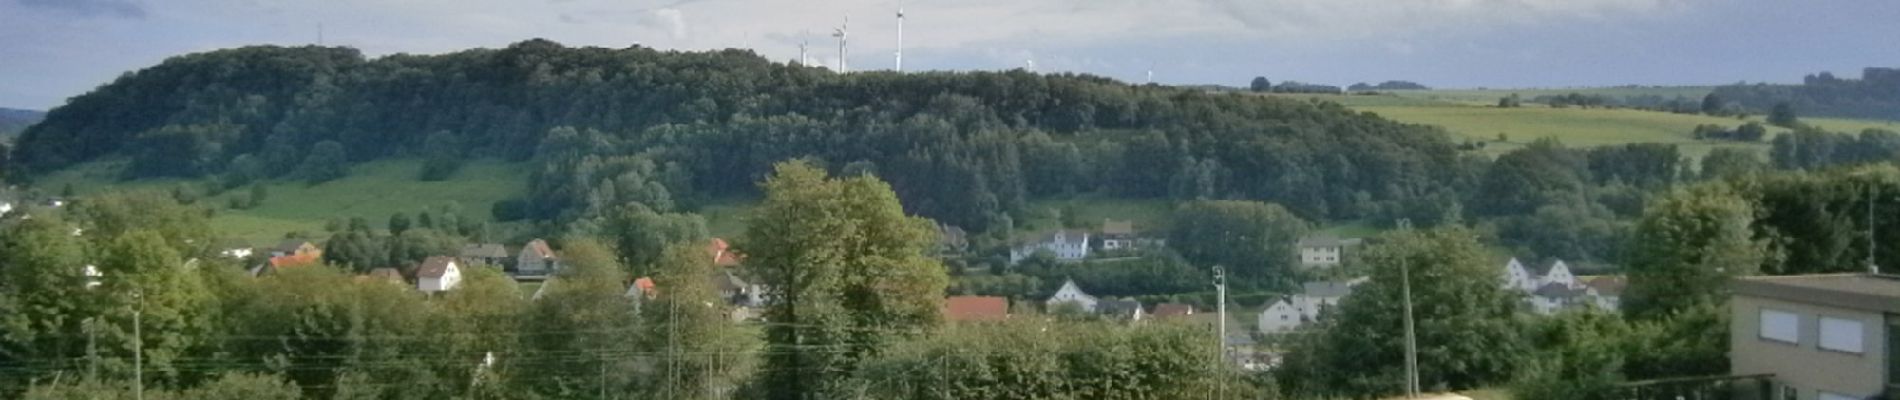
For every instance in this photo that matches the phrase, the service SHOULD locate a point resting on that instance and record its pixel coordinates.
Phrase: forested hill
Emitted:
(1876, 95)
(665, 128)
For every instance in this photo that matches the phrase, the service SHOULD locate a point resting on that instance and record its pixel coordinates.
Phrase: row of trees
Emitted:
(1876, 96)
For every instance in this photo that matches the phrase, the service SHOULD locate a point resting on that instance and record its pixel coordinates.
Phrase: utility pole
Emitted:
(1411, 336)
(138, 347)
(1220, 340)
(1872, 268)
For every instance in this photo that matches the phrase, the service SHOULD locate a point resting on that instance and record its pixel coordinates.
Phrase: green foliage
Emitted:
(443, 152)
(325, 163)
(1782, 115)
(585, 313)
(1685, 248)
(1728, 164)
(1545, 172)
(1580, 356)
(641, 235)
(43, 296)
(848, 271)
(1034, 359)
(701, 352)
(1819, 222)
(1252, 240)
(1467, 337)
(398, 223)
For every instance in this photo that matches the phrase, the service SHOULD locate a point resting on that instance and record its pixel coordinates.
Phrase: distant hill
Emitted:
(13, 121)
(1875, 95)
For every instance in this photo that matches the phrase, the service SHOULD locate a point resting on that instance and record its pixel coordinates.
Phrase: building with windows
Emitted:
(1822, 337)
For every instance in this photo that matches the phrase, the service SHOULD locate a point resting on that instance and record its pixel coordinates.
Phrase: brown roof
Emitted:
(487, 250)
(434, 267)
(1608, 285)
(293, 260)
(291, 245)
(1173, 309)
(1852, 291)
(1118, 227)
(975, 308)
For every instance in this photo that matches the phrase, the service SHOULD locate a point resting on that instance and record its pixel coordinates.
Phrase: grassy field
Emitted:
(1491, 96)
(373, 191)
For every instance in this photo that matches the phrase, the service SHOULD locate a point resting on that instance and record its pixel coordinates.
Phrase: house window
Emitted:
(1780, 326)
(1841, 334)
(1790, 393)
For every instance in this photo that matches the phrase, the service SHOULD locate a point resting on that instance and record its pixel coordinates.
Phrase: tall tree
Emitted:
(847, 272)
(1685, 249)
(1465, 329)
(641, 235)
(586, 313)
(44, 300)
(1253, 240)
(700, 352)
(1782, 115)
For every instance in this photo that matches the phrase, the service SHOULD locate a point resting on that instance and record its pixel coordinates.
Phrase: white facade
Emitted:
(1559, 273)
(5, 207)
(1069, 293)
(451, 276)
(240, 252)
(1066, 245)
(1319, 256)
(1280, 317)
(1516, 276)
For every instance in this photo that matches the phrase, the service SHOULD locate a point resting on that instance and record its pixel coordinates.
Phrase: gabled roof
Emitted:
(1869, 292)
(292, 260)
(485, 250)
(434, 267)
(538, 248)
(1118, 227)
(975, 308)
(1173, 309)
(643, 286)
(1119, 307)
(726, 281)
(1514, 263)
(1545, 270)
(1069, 236)
(722, 253)
(1068, 285)
(1320, 241)
(1326, 289)
(1556, 291)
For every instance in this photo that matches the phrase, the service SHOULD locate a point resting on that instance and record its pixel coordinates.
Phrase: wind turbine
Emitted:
(804, 42)
(843, 33)
(1151, 74)
(900, 37)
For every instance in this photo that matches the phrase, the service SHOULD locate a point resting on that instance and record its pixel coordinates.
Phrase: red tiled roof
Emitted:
(975, 308)
(646, 287)
(540, 248)
(293, 260)
(722, 253)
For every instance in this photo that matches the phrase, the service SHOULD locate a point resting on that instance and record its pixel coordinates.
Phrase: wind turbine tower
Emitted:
(843, 33)
(900, 37)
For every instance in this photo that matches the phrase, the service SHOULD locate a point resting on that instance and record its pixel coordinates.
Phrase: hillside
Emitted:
(1876, 95)
(600, 128)
(13, 121)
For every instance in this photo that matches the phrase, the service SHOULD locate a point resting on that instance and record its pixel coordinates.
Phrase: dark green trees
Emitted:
(1252, 240)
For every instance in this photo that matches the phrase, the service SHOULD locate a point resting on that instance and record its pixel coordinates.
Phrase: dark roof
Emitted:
(434, 267)
(1173, 309)
(1118, 307)
(1545, 270)
(1320, 241)
(1327, 289)
(1608, 285)
(975, 308)
(485, 250)
(1556, 290)
(1852, 291)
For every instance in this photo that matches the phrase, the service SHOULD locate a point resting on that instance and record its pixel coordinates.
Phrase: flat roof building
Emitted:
(1823, 337)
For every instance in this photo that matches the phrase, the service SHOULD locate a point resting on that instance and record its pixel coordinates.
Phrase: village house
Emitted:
(1118, 234)
(1555, 288)
(387, 275)
(1169, 310)
(296, 247)
(438, 274)
(1324, 250)
(975, 308)
(1315, 297)
(1555, 297)
(1280, 317)
(951, 239)
(1124, 309)
(1817, 337)
(1606, 292)
(722, 253)
(1069, 293)
(1066, 245)
(491, 254)
(536, 258)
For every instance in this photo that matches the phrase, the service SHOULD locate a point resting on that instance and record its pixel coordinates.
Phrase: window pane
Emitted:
(1780, 326)
(1837, 396)
(1840, 334)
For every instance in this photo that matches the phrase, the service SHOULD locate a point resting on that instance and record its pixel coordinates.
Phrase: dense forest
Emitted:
(609, 126)
(1875, 95)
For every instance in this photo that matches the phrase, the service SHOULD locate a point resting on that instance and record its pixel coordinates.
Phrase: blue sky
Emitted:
(54, 49)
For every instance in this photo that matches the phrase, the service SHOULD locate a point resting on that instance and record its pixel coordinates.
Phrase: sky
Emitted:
(51, 50)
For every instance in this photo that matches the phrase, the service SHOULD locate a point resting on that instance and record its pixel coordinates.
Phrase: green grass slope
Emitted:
(373, 191)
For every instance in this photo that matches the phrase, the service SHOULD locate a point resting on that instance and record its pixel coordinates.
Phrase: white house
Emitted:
(1317, 296)
(1555, 297)
(1606, 291)
(1558, 273)
(236, 252)
(1280, 317)
(5, 207)
(1323, 251)
(1118, 234)
(1069, 293)
(536, 259)
(1516, 276)
(1067, 245)
(437, 274)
